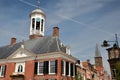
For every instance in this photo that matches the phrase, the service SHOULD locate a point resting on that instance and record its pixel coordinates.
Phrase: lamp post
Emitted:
(113, 55)
(105, 42)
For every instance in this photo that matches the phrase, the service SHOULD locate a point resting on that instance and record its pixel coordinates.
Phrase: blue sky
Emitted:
(82, 23)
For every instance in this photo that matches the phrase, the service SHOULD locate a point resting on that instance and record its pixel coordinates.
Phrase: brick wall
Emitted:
(29, 71)
(10, 68)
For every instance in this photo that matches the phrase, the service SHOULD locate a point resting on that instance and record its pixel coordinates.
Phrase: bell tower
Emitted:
(98, 57)
(37, 23)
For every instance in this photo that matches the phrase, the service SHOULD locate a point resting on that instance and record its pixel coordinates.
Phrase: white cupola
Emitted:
(37, 23)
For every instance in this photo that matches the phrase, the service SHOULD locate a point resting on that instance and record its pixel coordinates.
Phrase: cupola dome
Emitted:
(37, 11)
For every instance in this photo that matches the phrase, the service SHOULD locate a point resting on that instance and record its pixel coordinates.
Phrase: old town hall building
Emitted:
(39, 58)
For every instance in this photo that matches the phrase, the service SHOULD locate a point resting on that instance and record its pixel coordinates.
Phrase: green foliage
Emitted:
(117, 66)
(78, 76)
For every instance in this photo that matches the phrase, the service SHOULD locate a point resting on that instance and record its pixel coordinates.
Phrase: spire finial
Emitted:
(38, 1)
(97, 51)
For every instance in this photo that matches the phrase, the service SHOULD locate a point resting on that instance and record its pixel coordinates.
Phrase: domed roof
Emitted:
(37, 11)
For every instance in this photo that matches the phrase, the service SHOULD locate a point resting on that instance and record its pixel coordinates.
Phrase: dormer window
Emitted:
(68, 50)
(37, 23)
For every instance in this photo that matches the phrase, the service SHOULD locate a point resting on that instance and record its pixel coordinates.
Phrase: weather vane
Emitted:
(38, 1)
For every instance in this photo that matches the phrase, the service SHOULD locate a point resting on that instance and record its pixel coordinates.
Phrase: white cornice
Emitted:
(40, 56)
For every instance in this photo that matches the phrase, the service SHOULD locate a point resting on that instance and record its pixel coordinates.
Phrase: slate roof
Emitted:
(40, 45)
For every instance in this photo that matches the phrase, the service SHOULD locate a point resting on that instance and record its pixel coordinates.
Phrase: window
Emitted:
(116, 52)
(46, 67)
(20, 68)
(113, 72)
(42, 22)
(67, 68)
(52, 67)
(37, 23)
(63, 67)
(2, 70)
(71, 69)
(111, 54)
(33, 23)
(41, 68)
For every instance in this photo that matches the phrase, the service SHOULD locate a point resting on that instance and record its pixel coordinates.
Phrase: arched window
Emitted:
(20, 68)
(33, 23)
(37, 23)
(42, 22)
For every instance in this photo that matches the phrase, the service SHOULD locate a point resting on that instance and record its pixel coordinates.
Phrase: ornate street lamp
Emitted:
(105, 42)
(113, 55)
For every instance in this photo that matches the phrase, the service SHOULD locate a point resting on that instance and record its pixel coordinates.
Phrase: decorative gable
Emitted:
(20, 53)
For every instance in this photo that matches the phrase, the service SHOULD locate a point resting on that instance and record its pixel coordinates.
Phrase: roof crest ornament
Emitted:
(22, 44)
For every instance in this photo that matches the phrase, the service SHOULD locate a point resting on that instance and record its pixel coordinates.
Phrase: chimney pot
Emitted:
(13, 41)
(55, 31)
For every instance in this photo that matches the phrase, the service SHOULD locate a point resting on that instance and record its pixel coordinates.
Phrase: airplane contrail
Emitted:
(68, 18)
(28, 3)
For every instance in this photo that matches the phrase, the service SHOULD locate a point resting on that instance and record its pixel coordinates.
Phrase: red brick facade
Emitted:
(30, 68)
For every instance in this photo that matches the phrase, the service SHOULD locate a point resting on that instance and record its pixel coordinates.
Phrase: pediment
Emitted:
(21, 53)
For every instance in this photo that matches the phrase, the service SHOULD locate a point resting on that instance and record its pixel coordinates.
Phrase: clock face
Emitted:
(38, 19)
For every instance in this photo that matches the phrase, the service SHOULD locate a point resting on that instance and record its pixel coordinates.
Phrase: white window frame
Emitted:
(50, 67)
(2, 68)
(38, 72)
(64, 67)
(17, 66)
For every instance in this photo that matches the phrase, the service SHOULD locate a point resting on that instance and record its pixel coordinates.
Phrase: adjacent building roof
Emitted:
(40, 45)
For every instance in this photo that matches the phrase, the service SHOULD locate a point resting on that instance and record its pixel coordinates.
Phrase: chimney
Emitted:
(13, 41)
(55, 31)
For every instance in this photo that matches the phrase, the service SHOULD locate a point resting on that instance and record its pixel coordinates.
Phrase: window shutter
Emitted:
(5, 70)
(46, 67)
(71, 69)
(67, 68)
(35, 67)
(56, 66)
